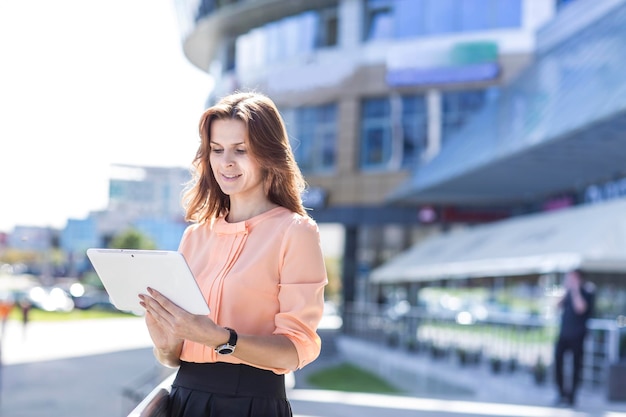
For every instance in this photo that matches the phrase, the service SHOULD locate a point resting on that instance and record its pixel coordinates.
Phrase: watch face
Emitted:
(226, 350)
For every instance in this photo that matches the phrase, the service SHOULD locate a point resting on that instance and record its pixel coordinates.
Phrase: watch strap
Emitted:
(228, 347)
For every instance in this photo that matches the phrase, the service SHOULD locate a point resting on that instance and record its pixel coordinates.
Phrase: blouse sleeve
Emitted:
(183, 239)
(301, 294)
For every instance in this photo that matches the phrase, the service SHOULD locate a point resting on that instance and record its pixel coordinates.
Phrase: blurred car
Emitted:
(51, 299)
(86, 297)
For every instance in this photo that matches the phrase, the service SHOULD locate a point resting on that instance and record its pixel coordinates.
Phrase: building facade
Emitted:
(554, 139)
(370, 91)
(147, 199)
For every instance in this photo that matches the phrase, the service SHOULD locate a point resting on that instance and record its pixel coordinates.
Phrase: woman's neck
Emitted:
(242, 212)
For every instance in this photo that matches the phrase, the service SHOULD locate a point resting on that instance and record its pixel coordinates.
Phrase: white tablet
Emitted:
(126, 273)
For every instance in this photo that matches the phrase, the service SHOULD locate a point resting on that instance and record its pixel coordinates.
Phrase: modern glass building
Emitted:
(372, 90)
(553, 138)
(415, 118)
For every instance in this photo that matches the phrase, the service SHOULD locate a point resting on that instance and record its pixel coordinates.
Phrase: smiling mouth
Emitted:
(231, 177)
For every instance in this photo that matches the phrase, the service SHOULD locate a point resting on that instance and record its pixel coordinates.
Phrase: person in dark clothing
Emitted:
(576, 305)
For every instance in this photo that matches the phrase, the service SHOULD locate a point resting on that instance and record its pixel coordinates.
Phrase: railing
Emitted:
(517, 343)
(155, 403)
(522, 342)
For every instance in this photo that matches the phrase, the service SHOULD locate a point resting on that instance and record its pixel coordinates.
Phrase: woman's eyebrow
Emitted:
(232, 144)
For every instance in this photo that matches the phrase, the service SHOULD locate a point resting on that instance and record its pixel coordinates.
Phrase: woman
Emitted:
(256, 255)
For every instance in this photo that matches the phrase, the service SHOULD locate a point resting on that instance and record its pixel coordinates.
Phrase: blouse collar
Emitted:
(221, 226)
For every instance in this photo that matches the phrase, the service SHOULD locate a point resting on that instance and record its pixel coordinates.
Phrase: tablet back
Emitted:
(126, 273)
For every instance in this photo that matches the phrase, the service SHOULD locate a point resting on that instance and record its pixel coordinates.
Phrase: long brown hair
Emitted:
(268, 144)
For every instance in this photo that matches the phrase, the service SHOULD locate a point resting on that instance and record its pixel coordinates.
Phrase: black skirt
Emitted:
(227, 390)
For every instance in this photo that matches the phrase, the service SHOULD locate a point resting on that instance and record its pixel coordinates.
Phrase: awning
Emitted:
(591, 237)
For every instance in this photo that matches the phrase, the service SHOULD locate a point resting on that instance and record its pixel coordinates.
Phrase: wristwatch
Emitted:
(228, 347)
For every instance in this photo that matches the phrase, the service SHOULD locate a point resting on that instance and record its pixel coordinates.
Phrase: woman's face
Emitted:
(236, 170)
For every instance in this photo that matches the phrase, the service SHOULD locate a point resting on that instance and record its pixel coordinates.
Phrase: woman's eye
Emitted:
(241, 151)
(215, 150)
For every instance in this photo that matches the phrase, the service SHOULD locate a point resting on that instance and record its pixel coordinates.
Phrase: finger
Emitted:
(160, 298)
(142, 301)
(148, 303)
(166, 303)
(158, 312)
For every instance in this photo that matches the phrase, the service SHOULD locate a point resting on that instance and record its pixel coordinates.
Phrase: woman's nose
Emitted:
(228, 159)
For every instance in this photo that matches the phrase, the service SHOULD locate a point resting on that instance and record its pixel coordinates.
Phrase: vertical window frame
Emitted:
(312, 131)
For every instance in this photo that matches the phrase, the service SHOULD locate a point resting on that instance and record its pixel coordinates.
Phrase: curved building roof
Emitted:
(214, 24)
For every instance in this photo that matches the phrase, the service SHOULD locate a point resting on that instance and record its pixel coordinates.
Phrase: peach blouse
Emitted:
(262, 276)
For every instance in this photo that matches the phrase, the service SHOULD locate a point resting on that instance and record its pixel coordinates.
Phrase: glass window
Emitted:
(508, 14)
(327, 32)
(275, 49)
(231, 51)
(442, 17)
(414, 129)
(386, 19)
(562, 3)
(376, 134)
(409, 18)
(472, 15)
(393, 132)
(379, 19)
(282, 39)
(313, 135)
(458, 107)
(292, 35)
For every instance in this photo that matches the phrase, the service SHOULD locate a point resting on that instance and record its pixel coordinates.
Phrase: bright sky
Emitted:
(83, 85)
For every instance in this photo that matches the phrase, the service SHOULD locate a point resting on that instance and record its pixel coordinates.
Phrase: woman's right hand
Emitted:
(167, 348)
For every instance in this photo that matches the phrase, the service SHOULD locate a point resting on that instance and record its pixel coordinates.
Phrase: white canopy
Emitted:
(591, 237)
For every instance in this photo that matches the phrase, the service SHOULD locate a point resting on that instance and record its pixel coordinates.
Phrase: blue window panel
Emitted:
(309, 23)
(376, 134)
(305, 120)
(414, 129)
(376, 108)
(473, 17)
(376, 150)
(441, 17)
(458, 107)
(277, 40)
(508, 13)
(327, 150)
(305, 156)
(313, 134)
(379, 22)
(408, 18)
(275, 51)
(562, 3)
(380, 149)
(327, 114)
(381, 25)
(414, 18)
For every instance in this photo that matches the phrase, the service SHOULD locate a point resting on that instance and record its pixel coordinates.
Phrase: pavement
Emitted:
(102, 368)
(73, 368)
(433, 387)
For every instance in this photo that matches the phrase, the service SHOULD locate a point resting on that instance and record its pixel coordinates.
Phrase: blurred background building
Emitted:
(417, 122)
(412, 119)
